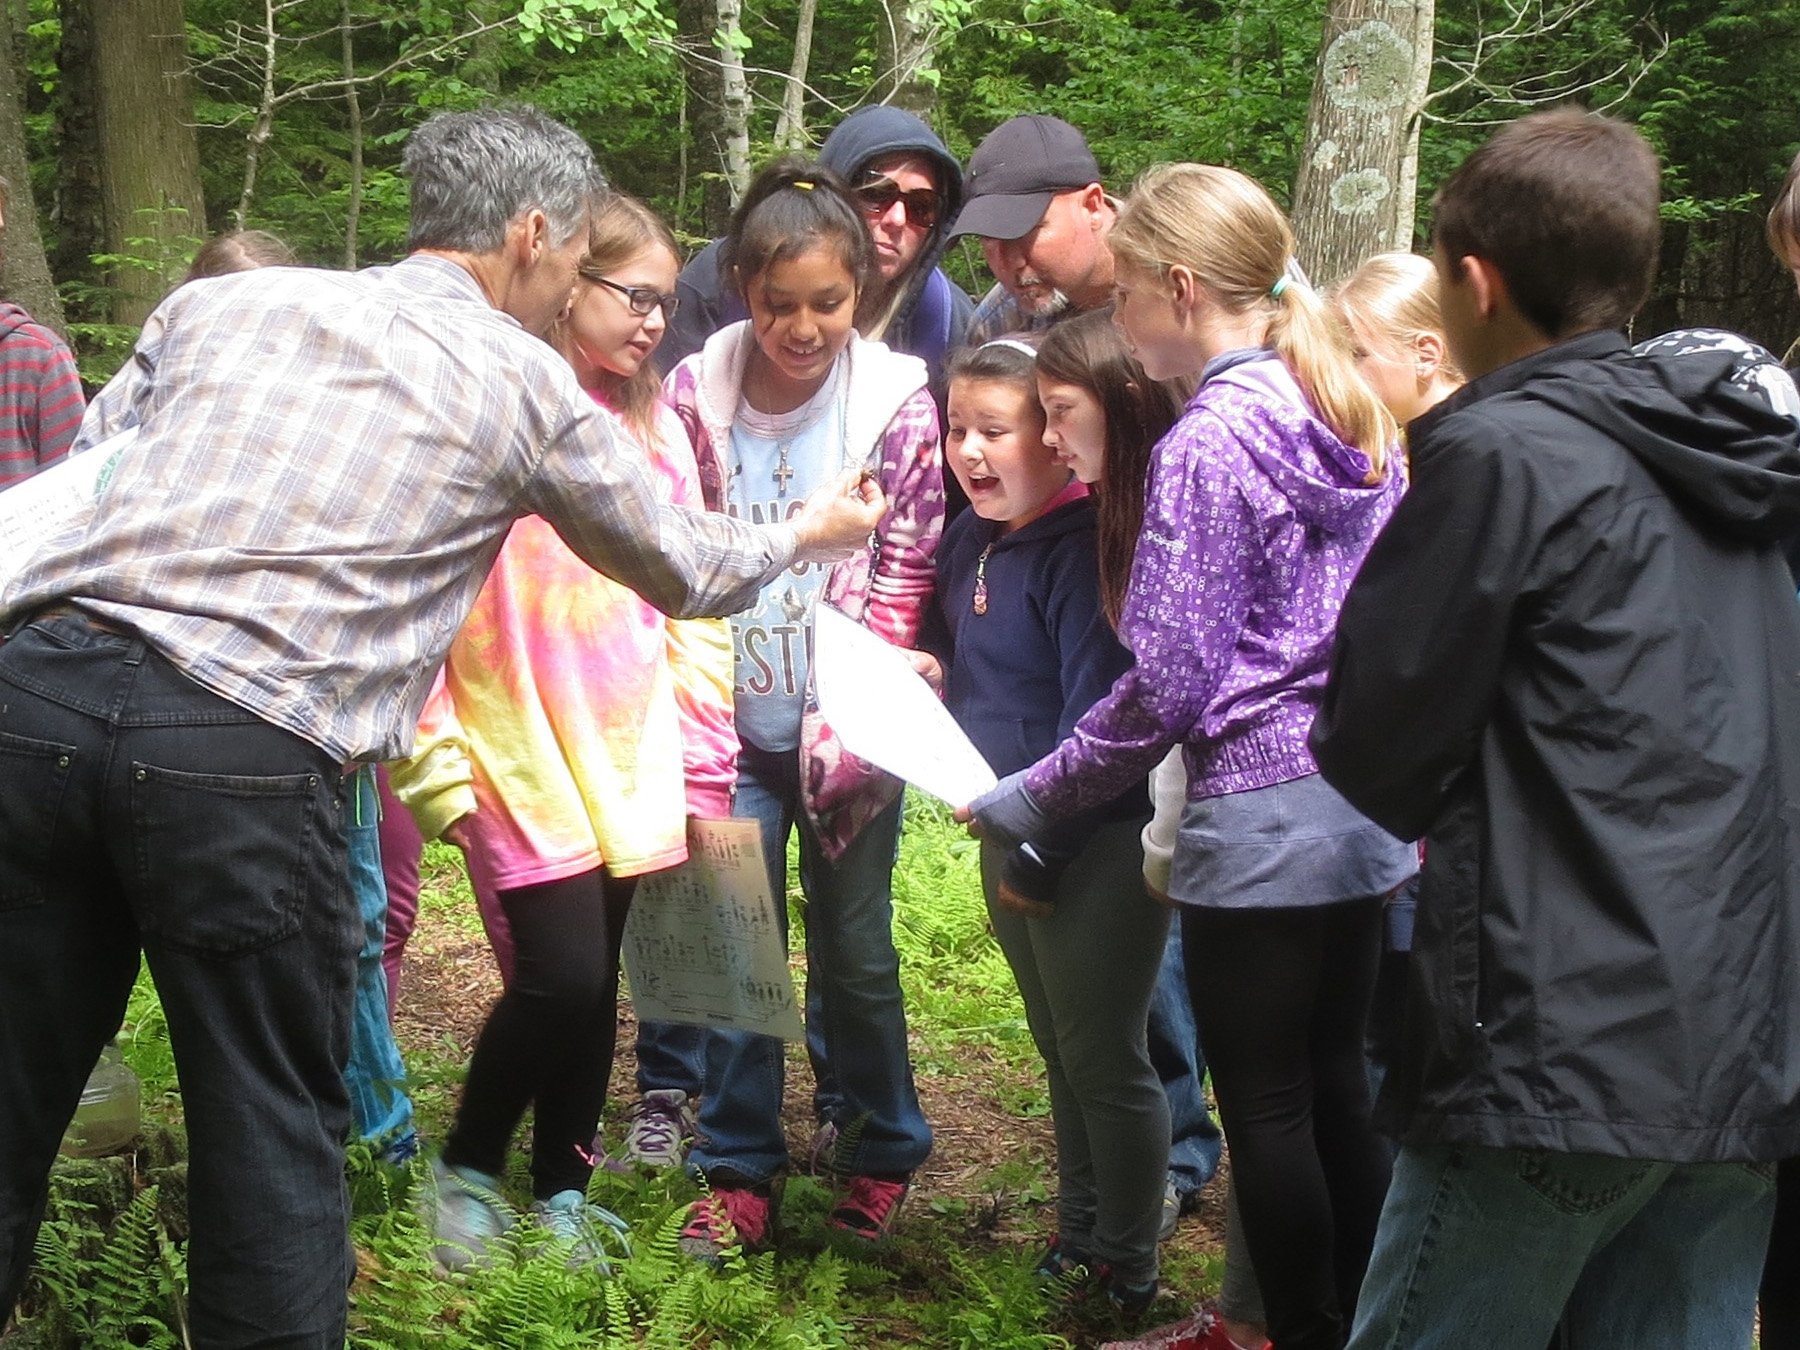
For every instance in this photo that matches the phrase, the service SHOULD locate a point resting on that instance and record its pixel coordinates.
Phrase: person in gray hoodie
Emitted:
(909, 188)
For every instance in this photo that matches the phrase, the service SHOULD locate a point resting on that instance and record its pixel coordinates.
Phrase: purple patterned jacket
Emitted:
(1257, 518)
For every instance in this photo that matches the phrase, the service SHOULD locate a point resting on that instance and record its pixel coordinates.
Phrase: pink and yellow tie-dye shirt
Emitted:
(574, 724)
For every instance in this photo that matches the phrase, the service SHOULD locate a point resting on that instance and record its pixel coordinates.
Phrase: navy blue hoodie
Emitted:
(1023, 673)
(930, 321)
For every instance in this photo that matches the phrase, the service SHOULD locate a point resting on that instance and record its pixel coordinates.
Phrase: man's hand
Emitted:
(964, 816)
(838, 519)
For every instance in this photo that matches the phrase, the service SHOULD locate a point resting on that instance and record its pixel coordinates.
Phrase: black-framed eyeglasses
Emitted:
(877, 198)
(642, 299)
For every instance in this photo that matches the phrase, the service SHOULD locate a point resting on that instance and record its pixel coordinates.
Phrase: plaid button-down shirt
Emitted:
(327, 464)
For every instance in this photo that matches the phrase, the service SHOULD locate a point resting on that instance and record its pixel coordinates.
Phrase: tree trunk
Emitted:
(790, 127)
(353, 112)
(81, 220)
(24, 270)
(149, 158)
(906, 33)
(264, 125)
(696, 24)
(734, 96)
(1351, 194)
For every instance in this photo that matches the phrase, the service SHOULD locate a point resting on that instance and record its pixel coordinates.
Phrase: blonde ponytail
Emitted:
(1224, 228)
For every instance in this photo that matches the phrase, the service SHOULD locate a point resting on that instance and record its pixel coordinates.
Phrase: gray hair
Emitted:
(474, 172)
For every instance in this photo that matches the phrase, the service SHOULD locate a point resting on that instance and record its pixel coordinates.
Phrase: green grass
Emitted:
(957, 1272)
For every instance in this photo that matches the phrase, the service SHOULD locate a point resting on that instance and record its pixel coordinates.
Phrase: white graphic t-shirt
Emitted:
(776, 459)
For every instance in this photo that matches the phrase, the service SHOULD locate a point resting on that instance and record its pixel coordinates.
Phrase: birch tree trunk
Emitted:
(1354, 196)
(790, 127)
(734, 97)
(24, 270)
(149, 159)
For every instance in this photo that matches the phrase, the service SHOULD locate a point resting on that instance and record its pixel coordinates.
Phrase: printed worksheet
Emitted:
(35, 510)
(882, 710)
(703, 944)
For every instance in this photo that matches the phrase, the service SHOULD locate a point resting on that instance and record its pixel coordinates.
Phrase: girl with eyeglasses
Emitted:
(574, 730)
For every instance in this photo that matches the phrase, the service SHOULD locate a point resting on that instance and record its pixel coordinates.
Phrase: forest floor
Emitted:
(956, 1272)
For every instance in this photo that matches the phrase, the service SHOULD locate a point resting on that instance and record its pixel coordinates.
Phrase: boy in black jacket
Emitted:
(1572, 664)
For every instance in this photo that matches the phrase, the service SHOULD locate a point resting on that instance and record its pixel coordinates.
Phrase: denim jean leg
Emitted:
(68, 944)
(671, 1055)
(828, 1101)
(1682, 1273)
(236, 833)
(850, 914)
(375, 1075)
(1194, 1139)
(739, 1128)
(1484, 1246)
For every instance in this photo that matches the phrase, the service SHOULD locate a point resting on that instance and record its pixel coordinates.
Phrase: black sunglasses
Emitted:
(877, 199)
(643, 299)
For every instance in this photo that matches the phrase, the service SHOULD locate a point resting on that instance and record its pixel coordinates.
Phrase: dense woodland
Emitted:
(132, 128)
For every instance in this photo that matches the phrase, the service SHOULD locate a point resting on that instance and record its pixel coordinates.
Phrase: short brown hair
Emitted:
(1784, 219)
(1564, 204)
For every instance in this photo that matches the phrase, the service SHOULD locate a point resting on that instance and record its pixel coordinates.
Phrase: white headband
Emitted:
(1014, 343)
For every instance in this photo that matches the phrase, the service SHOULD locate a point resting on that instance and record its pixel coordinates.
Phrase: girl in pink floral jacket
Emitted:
(775, 406)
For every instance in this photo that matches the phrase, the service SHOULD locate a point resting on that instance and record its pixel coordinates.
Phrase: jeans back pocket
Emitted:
(33, 776)
(223, 859)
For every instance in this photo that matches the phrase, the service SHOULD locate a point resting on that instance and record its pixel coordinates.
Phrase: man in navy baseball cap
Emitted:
(1033, 196)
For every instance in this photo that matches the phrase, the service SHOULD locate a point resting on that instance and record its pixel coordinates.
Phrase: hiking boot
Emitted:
(727, 1216)
(587, 1229)
(867, 1207)
(659, 1127)
(465, 1211)
(1129, 1301)
(1063, 1267)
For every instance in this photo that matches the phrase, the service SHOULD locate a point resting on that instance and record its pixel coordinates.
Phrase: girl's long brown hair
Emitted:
(1087, 351)
(620, 229)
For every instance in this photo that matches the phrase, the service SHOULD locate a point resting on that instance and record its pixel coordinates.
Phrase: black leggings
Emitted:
(549, 1040)
(1281, 998)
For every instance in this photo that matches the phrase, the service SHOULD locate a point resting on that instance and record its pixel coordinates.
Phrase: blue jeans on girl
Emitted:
(851, 957)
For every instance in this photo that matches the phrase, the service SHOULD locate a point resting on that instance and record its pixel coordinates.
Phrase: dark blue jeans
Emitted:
(139, 812)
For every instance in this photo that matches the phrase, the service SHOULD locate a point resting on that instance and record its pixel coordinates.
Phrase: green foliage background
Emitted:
(1148, 80)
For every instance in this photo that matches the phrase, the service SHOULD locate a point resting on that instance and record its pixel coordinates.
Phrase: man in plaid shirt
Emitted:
(325, 467)
(40, 393)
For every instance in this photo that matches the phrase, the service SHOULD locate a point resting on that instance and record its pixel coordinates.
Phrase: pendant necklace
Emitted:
(781, 472)
(981, 580)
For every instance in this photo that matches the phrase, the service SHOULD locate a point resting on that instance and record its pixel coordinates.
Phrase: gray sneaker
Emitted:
(661, 1125)
(1171, 1211)
(587, 1229)
(465, 1211)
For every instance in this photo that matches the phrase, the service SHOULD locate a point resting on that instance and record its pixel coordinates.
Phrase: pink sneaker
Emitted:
(866, 1207)
(731, 1216)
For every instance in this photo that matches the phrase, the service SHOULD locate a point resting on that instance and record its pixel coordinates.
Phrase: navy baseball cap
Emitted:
(1015, 172)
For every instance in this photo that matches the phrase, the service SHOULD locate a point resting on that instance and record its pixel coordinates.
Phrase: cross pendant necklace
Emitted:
(781, 473)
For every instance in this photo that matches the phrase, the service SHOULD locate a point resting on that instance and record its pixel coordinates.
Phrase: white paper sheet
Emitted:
(44, 504)
(882, 710)
(703, 945)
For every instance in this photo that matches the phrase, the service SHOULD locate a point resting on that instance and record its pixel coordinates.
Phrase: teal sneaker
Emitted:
(586, 1228)
(465, 1211)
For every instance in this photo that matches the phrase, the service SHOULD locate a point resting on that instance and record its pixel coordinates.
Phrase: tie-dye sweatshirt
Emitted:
(574, 724)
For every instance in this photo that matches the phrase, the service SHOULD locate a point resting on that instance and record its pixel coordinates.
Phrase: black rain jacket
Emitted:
(1572, 664)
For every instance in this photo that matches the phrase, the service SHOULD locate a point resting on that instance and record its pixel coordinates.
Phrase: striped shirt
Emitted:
(327, 464)
(40, 396)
